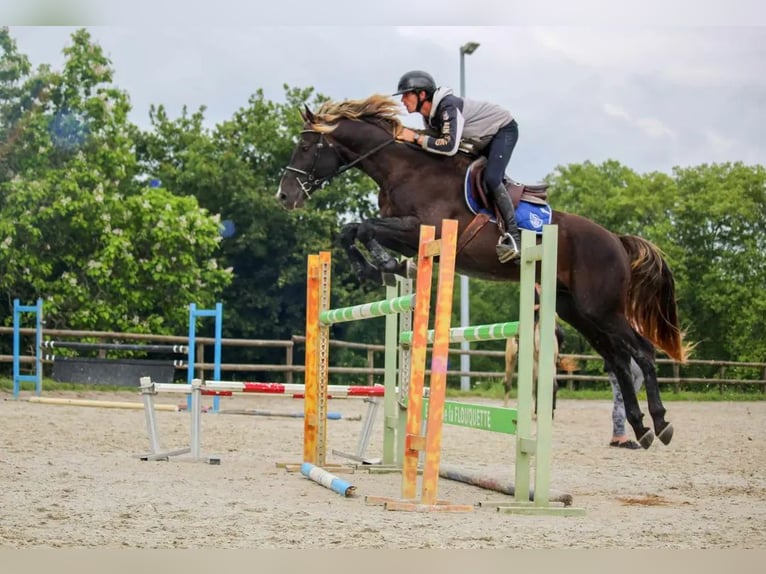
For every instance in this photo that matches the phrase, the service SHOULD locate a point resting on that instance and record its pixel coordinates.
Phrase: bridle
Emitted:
(311, 182)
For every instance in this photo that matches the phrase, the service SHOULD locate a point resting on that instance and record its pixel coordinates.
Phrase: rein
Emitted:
(311, 183)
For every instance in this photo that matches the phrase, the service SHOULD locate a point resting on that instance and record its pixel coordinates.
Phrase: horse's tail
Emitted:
(651, 306)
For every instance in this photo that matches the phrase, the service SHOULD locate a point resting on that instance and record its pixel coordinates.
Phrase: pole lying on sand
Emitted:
(490, 483)
(262, 413)
(102, 404)
(326, 479)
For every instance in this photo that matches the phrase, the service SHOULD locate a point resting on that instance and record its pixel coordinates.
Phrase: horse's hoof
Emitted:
(647, 440)
(389, 279)
(411, 269)
(666, 434)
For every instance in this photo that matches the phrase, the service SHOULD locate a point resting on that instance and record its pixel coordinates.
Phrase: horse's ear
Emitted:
(308, 115)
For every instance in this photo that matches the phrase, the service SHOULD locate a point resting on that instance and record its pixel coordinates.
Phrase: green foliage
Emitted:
(234, 169)
(77, 227)
(614, 196)
(721, 270)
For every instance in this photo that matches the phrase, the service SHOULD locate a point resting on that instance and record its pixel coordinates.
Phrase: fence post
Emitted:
(200, 373)
(370, 365)
(289, 363)
(722, 374)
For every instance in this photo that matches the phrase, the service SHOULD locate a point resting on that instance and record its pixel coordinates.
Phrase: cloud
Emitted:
(649, 97)
(52, 12)
(616, 112)
(719, 144)
(650, 126)
(654, 128)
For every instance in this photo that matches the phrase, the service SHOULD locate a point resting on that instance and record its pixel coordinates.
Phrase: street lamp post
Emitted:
(465, 360)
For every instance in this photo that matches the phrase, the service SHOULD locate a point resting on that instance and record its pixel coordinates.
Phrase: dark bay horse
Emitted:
(616, 290)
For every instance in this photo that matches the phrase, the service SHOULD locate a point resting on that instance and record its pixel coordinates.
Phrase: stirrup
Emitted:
(507, 249)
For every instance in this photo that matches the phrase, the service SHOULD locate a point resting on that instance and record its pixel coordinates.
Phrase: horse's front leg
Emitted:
(364, 269)
(400, 234)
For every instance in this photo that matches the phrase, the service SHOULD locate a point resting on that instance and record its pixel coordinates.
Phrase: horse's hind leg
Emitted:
(620, 363)
(645, 360)
(612, 340)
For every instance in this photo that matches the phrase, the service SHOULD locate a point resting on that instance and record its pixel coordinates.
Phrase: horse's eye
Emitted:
(305, 147)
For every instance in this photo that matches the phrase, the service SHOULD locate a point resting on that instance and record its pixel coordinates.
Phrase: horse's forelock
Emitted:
(376, 107)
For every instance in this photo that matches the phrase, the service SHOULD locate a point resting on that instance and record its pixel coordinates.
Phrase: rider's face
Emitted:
(410, 101)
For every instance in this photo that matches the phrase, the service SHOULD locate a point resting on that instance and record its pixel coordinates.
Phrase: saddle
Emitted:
(536, 211)
(536, 194)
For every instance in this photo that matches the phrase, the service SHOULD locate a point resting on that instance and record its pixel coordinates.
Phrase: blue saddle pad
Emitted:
(533, 216)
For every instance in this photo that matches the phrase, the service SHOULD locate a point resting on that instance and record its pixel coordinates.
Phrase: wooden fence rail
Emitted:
(373, 356)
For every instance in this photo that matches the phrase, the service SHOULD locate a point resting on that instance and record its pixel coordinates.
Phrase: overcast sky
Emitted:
(651, 93)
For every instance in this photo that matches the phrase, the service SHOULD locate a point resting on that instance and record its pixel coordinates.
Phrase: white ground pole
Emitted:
(148, 390)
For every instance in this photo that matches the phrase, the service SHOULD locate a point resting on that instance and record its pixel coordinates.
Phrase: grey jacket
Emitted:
(453, 119)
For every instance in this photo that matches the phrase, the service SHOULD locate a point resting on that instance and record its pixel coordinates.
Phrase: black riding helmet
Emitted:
(415, 81)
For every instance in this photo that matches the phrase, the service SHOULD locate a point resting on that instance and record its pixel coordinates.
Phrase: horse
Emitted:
(616, 290)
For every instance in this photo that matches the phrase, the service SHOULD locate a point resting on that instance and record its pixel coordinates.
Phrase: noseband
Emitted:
(311, 182)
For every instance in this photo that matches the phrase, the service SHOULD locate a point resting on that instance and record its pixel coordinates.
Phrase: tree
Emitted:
(78, 227)
(22, 93)
(718, 225)
(615, 196)
(234, 169)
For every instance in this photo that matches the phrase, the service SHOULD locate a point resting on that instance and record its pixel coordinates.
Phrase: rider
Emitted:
(490, 127)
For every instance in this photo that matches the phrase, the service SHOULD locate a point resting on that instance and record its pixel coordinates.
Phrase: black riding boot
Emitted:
(509, 246)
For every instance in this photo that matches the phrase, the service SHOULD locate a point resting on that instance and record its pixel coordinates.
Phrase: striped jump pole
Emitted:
(490, 332)
(368, 310)
(294, 389)
(328, 480)
(175, 349)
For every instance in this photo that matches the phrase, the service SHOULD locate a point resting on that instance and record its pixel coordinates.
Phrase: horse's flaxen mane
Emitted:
(377, 107)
